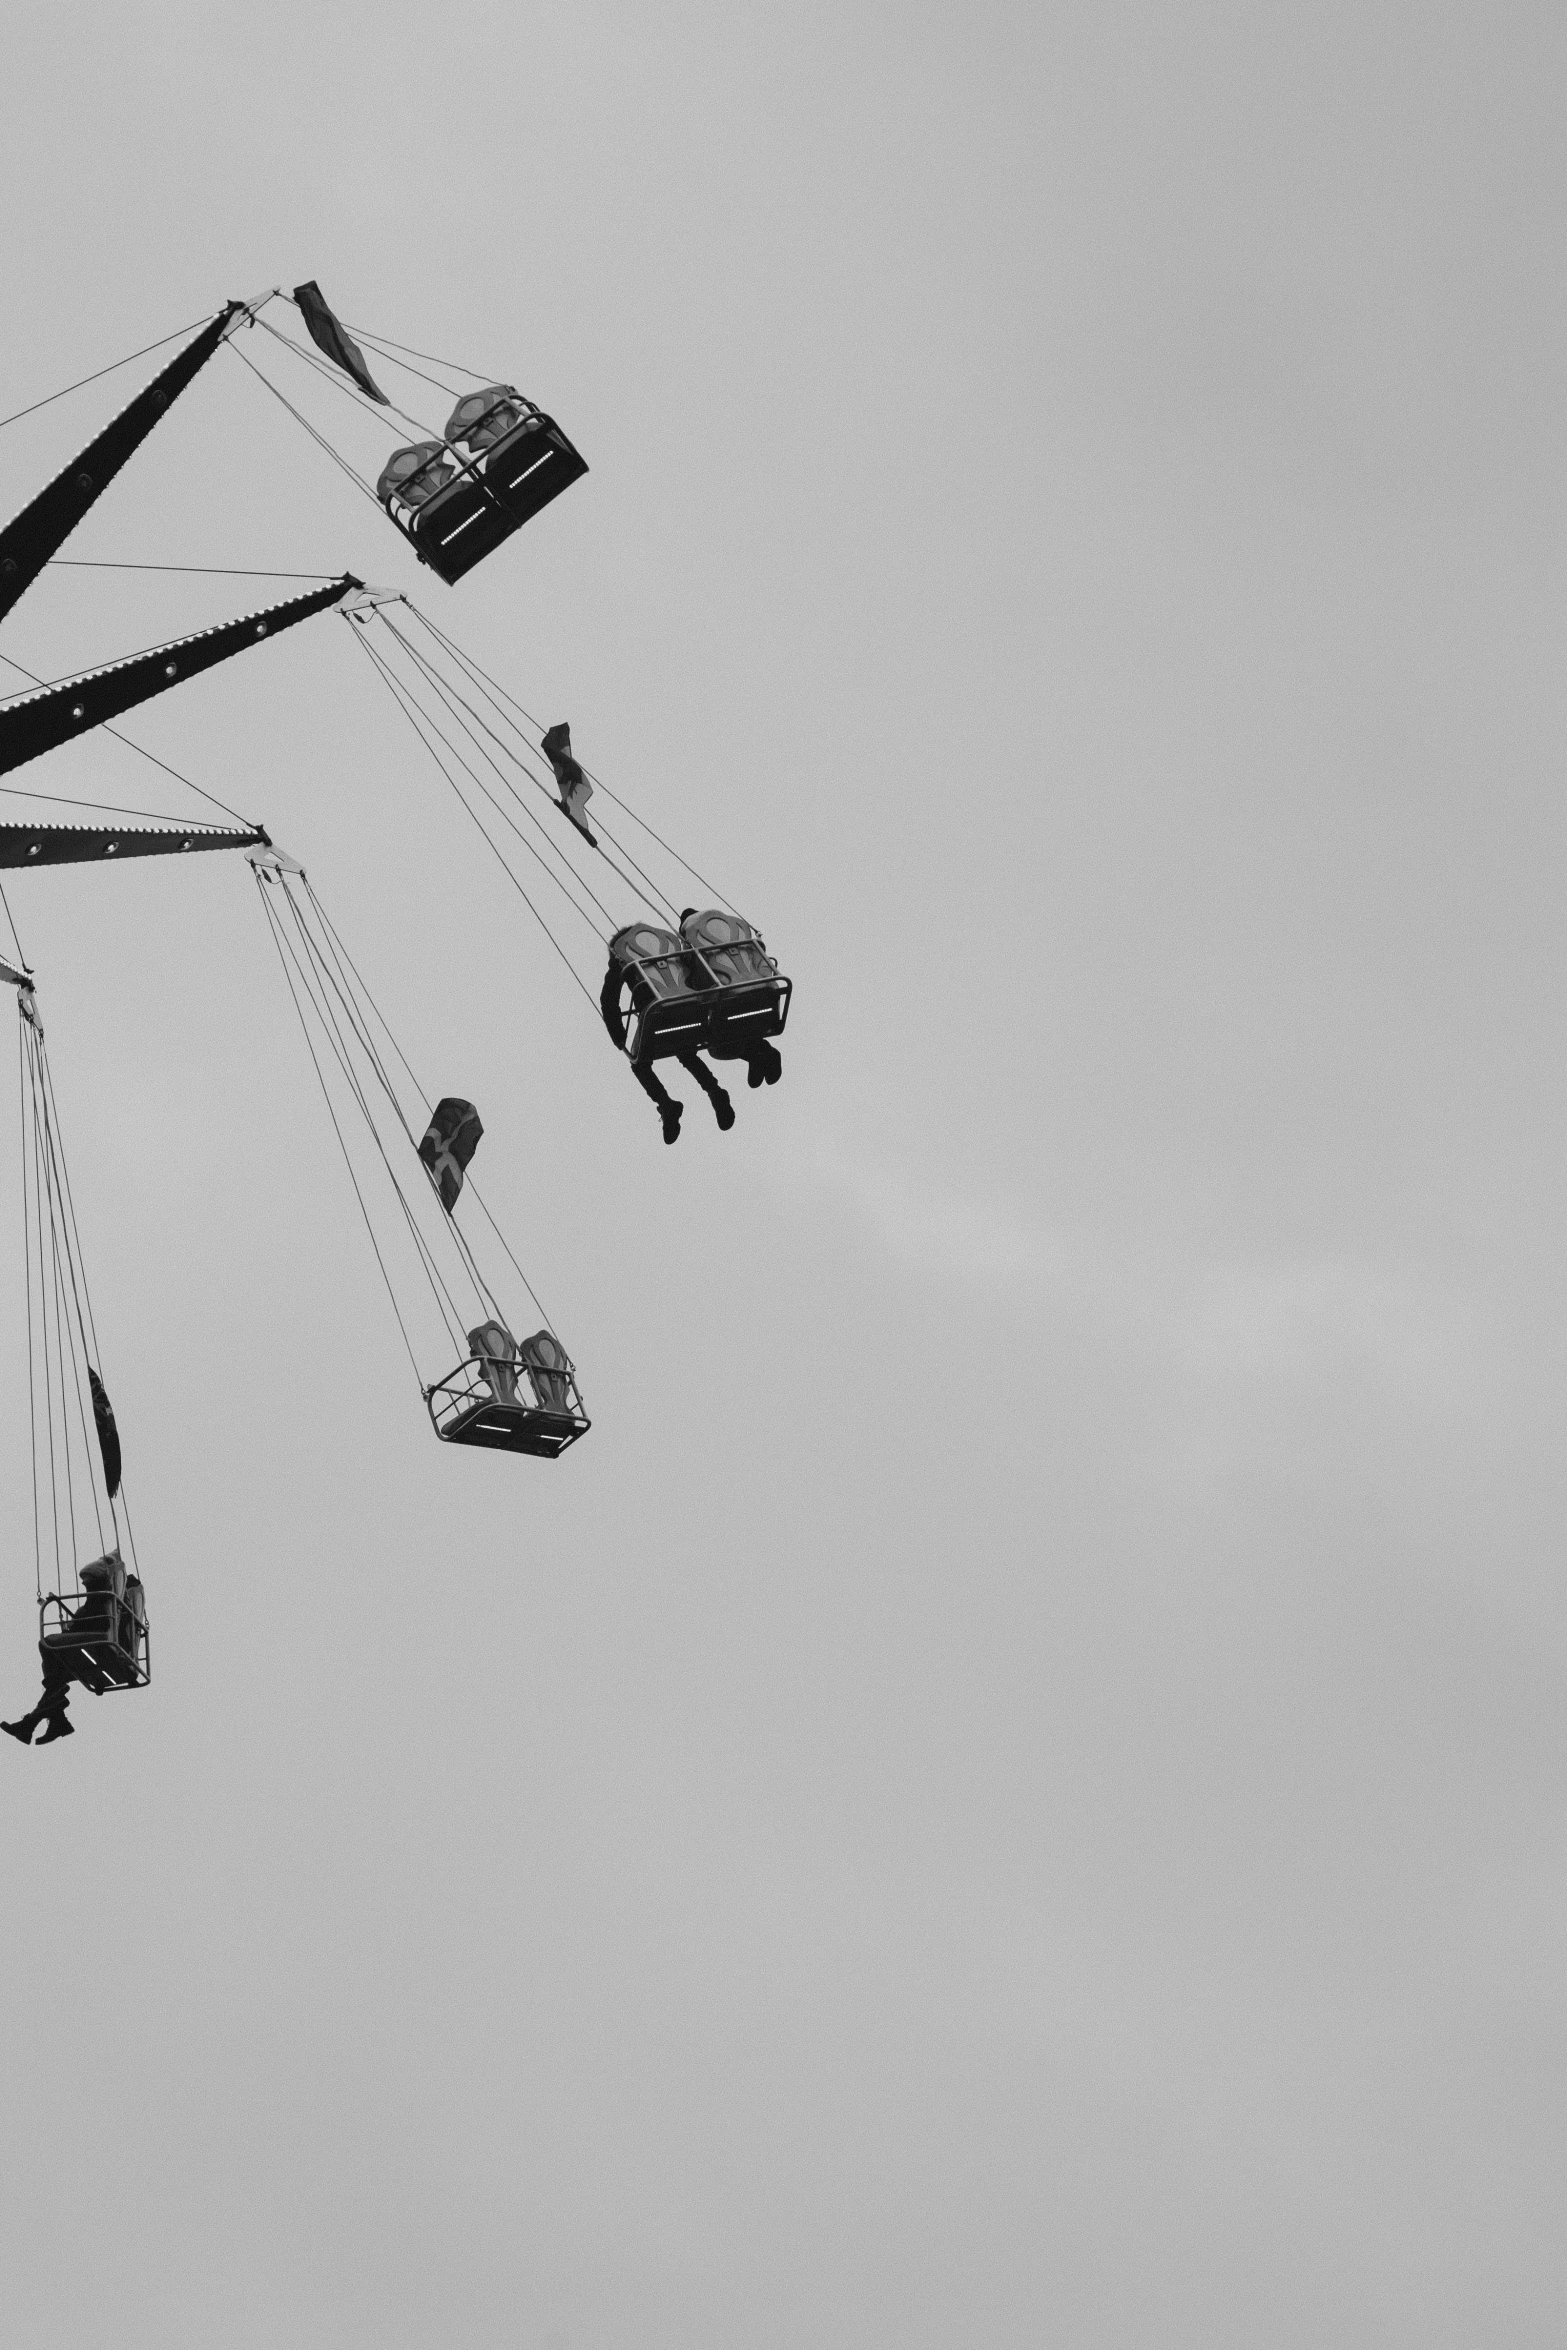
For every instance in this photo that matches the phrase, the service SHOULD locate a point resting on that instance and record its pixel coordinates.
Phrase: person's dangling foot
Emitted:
(671, 1113)
(60, 1726)
(23, 1729)
(772, 1064)
(723, 1110)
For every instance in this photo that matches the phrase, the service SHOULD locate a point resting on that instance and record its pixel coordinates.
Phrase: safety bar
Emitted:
(715, 980)
(467, 1384)
(472, 466)
(119, 1632)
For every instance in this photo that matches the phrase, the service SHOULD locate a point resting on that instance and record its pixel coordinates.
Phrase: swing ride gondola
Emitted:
(501, 462)
(717, 990)
(698, 981)
(455, 496)
(502, 1396)
(92, 1612)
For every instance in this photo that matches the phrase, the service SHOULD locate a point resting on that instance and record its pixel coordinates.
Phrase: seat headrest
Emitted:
(474, 407)
(404, 466)
(494, 1341)
(715, 929)
(640, 941)
(544, 1349)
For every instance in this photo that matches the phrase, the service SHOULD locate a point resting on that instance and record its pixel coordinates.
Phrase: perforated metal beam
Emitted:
(43, 527)
(87, 844)
(56, 714)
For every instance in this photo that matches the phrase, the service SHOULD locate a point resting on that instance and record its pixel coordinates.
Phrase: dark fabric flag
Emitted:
(450, 1141)
(573, 786)
(331, 336)
(108, 1433)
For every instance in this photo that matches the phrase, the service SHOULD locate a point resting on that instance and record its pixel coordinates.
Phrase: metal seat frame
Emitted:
(464, 1409)
(720, 1015)
(124, 1658)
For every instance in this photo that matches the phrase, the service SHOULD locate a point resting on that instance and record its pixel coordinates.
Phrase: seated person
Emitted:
(68, 1654)
(727, 950)
(621, 976)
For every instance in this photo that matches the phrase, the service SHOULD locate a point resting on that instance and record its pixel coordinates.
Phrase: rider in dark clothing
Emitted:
(763, 1061)
(66, 1659)
(617, 979)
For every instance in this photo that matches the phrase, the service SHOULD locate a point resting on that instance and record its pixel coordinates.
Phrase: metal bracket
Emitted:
(370, 599)
(245, 312)
(271, 860)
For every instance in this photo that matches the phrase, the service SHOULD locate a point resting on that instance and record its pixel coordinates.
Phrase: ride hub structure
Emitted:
(675, 986)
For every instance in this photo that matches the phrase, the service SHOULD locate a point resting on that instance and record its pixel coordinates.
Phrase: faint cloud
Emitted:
(1212, 1323)
(942, 1231)
(1299, 1319)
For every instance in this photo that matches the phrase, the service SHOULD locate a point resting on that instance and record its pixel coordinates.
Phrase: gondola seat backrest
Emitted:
(133, 1619)
(482, 418)
(727, 951)
(495, 1352)
(653, 961)
(549, 1368)
(413, 475)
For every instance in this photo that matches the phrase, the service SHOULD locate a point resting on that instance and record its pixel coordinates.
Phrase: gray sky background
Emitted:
(1012, 1791)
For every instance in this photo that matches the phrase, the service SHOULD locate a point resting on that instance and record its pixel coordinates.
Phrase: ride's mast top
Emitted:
(42, 527)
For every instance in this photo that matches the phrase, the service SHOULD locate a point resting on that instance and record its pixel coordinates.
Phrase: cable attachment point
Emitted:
(368, 600)
(271, 860)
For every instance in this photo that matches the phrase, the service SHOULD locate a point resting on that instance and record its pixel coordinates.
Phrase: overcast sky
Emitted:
(1011, 1791)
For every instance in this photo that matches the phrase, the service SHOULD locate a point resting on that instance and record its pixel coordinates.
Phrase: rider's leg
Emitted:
(723, 1109)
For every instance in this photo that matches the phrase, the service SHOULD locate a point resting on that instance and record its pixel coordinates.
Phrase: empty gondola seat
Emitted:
(482, 1402)
(413, 476)
(483, 419)
(523, 455)
(495, 1352)
(545, 1361)
(505, 460)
